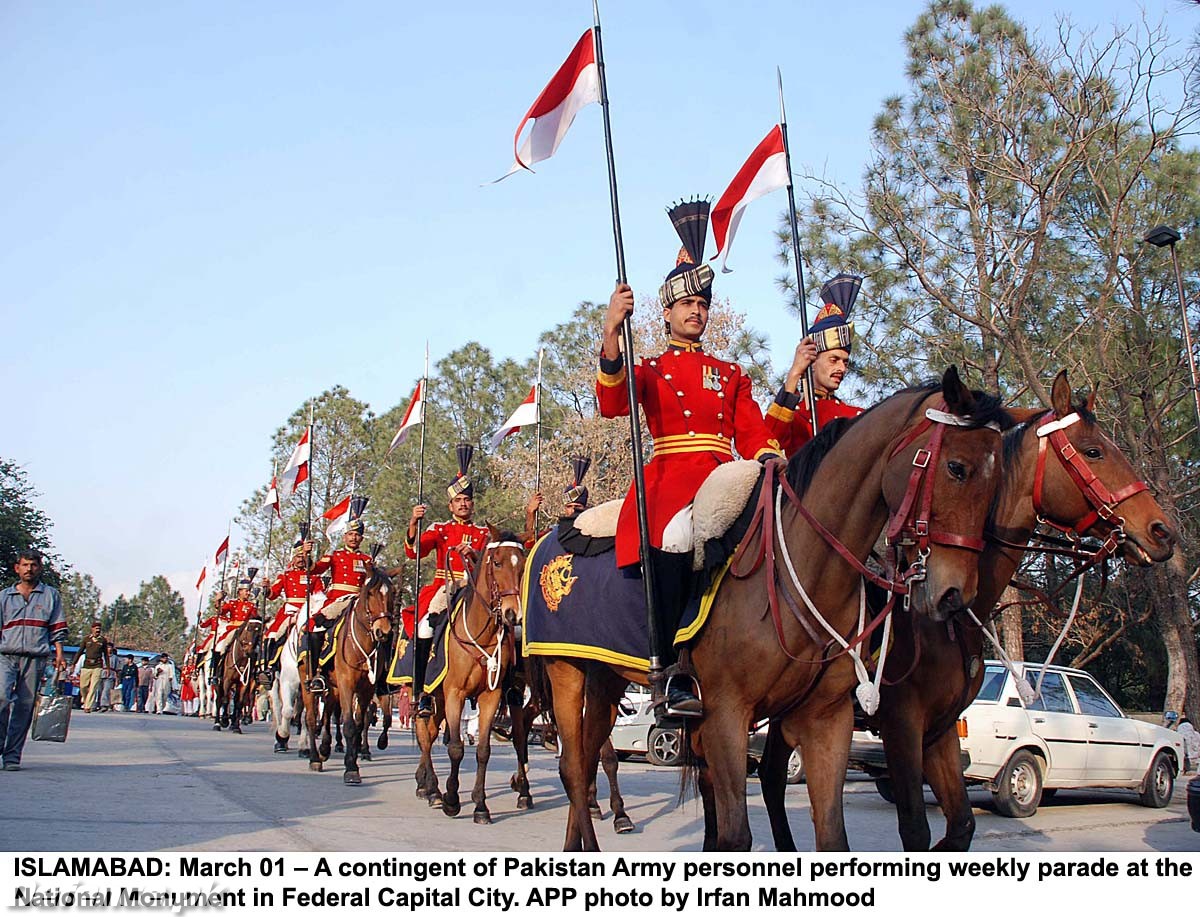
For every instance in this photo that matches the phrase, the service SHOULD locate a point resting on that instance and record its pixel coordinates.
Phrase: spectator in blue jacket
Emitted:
(32, 625)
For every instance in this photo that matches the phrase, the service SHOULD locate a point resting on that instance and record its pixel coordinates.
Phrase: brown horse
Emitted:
(322, 712)
(365, 624)
(480, 651)
(932, 476)
(237, 676)
(937, 667)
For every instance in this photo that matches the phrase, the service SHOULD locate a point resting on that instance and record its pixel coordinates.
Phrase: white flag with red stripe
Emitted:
(223, 551)
(296, 472)
(272, 498)
(765, 171)
(525, 414)
(414, 416)
(339, 518)
(576, 84)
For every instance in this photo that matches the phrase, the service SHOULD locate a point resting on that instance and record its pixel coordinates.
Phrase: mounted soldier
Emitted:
(575, 500)
(697, 408)
(827, 351)
(451, 572)
(348, 568)
(229, 619)
(296, 585)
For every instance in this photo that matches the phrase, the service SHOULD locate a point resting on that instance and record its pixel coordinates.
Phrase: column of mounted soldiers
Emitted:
(698, 408)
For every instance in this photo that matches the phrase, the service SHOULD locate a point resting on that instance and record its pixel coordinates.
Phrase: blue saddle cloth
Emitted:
(401, 670)
(588, 608)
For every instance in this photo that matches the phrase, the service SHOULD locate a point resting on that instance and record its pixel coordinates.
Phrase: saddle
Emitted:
(708, 529)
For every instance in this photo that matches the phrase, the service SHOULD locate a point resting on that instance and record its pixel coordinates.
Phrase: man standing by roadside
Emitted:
(129, 678)
(31, 621)
(94, 652)
(145, 681)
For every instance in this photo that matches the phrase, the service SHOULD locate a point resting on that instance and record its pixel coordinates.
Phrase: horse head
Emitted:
(501, 567)
(939, 481)
(1084, 484)
(377, 599)
(250, 633)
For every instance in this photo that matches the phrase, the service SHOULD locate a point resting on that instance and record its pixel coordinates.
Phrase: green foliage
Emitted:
(22, 524)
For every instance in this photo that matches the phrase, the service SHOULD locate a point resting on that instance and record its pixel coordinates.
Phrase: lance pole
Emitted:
(270, 532)
(308, 517)
(416, 689)
(810, 399)
(537, 401)
(635, 429)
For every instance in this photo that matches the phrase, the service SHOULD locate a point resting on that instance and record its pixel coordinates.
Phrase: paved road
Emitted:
(138, 782)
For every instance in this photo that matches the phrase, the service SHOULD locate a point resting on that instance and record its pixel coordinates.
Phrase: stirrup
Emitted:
(316, 685)
(681, 696)
(425, 705)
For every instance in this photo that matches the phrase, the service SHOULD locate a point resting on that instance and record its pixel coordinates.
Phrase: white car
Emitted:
(1074, 735)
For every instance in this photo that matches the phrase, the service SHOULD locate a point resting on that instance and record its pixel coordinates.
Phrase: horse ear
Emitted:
(958, 397)
(494, 532)
(1091, 400)
(1060, 394)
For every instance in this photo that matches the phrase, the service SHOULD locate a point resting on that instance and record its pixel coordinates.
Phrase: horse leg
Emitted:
(355, 726)
(364, 734)
(217, 712)
(943, 770)
(430, 728)
(520, 741)
(326, 743)
(622, 823)
(602, 690)
(724, 736)
(489, 703)
(708, 797)
(312, 724)
(237, 708)
(568, 677)
(340, 746)
(824, 737)
(772, 775)
(453, 700)
(385, 705)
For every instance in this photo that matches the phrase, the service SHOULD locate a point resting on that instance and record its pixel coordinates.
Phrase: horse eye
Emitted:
(957, 470)
(1094, 454)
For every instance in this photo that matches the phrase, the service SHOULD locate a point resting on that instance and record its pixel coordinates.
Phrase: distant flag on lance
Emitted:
(576, 84)
(296, 472)
(200, 581)
(222, 551)
(765, 171)
(414, 416)
(339, 517)
(525, 414)
(272, 498)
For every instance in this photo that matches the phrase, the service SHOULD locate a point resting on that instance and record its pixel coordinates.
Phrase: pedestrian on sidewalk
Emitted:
(93, 650)
(145, 683)
(129, 680)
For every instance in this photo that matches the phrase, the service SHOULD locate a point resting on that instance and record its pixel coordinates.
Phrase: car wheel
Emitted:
(1019, 789)
(1159, 784)
(664, 747)
(883, 786)
(795, 767)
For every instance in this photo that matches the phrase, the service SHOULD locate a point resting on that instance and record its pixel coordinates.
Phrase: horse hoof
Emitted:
(315, 766)
(524, 802)
(596, 814)
(512, 784)
(281, 746)
(422, 793)
(449, 809)
(482, 818)
(623, 824)
(236, 728)
(216, 727)
(435, 802)
(382, 742)
(302, 753)
(365, 754)
(351, 778)
(340, 748)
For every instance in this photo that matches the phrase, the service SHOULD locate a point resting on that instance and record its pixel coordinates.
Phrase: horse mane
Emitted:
(803, 465)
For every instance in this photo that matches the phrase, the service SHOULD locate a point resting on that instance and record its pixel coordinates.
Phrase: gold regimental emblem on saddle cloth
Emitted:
(556, 580)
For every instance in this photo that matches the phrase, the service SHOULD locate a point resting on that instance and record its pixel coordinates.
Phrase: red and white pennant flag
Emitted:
(223, 551)
(414, 416)
(765, 171)
(296, 472)
(200, 581)
(272, 498)
(526, 413)
(576, 84)
(339, 518)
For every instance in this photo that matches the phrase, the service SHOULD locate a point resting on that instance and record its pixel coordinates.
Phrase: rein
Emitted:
(491, 661)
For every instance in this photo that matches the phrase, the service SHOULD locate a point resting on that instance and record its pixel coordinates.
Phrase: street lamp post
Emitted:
(1168, 236)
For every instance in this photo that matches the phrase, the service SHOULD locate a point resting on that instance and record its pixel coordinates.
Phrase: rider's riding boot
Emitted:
(421, 663)
(218, 667)
(678, 693)
(316, 683)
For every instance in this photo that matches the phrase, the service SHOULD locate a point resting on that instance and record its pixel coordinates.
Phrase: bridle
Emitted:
(489, 660)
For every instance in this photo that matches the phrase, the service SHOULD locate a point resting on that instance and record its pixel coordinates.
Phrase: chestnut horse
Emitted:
(480, 651)
(923, 463)
(938, 666)
(365, 624)
(237, 676)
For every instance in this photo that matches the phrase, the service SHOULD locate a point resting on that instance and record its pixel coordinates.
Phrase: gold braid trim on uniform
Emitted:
(611, 380)
(779, 412)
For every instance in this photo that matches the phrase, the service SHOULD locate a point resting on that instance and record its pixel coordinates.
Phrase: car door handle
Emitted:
(1093, 726)
(1039, 719)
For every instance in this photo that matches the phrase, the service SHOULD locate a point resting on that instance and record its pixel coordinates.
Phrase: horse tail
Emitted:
(540, 690)
(689, 767)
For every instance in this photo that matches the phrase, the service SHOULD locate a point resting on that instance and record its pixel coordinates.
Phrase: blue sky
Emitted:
(215, 210)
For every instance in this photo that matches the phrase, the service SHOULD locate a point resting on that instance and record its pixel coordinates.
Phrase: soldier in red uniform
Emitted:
(575, 501)
(827, 350)
(451, 571)
(231, 616)
(698, 408)
(295, 584)
(348, 568)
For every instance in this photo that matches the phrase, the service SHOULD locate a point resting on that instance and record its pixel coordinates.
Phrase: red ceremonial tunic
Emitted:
(231, 616)
(697, 408)
(441, 537)
(349, 570)
(291, 585)
(792, 427)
